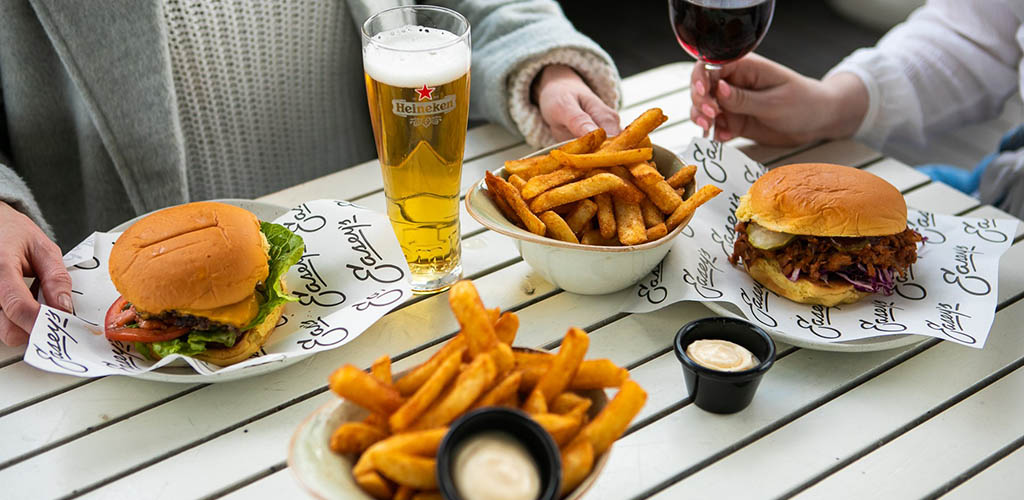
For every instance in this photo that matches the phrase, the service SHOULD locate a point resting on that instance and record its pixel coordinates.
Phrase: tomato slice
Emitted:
(119, 314)
(144, 334)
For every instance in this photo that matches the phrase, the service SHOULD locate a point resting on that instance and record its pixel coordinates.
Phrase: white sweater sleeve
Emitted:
(953, 62)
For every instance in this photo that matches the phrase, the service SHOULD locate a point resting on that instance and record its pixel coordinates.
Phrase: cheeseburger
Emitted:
(202, 280)
(824, 234)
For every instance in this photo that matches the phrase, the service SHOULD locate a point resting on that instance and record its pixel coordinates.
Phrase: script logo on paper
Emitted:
(884, 319)
(369, 266)
(317, 290)
(652, 290)
(710, 161)
(950, 323)
(305, 221)
(820, 322)
(704, 280)
(727, 238)
(124, 358)
(757, 302)
(321, 333)
(964, 272)
(56, 348)
(987, 230)
(925, 224)
(907, 289)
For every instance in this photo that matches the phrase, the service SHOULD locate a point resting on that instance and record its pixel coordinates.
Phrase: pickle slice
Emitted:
(766, 239)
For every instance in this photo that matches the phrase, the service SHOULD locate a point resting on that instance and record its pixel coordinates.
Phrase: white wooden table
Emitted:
(925, 421)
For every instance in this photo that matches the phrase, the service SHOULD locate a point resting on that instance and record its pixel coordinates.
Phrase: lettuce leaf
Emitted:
(286, 249)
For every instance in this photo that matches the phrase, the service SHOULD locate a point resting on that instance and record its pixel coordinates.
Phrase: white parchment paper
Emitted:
(950, 293)
(352, 272)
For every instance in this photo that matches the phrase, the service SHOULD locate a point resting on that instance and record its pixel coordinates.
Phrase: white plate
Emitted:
(860, 345)
(182, 373)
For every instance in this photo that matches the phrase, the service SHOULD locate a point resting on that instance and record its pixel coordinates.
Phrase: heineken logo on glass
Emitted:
(425, 111)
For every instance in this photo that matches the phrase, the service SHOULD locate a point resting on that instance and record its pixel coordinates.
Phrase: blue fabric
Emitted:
(968, 181)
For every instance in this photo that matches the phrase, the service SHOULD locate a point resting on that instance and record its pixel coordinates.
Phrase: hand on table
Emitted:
(568, 105)
(26, 251)
(772, 104)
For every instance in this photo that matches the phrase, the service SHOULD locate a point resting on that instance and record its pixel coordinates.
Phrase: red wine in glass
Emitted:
(717, 32)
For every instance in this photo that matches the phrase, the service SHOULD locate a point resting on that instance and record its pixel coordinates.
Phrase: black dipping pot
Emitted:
(513, 422)
(720, 391)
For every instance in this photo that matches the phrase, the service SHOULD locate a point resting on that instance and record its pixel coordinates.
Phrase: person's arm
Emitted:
(525, 46)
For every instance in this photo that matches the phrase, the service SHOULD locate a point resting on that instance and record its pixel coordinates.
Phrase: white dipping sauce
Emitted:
(721, 355)
(495, 466)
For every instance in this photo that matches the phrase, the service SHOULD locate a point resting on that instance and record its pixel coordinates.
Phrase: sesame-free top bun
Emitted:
(821, 199)
(768, 273)
(194, 257)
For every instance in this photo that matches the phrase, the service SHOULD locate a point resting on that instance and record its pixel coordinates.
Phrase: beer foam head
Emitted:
(413, 56)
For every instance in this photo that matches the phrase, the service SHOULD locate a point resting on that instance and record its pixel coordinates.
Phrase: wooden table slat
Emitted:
(844, 152)
(1000, 480)
(940, 198)
(279, 485)
(655, 82)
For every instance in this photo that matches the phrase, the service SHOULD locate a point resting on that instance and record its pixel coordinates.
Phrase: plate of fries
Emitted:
(380, 439)
(593, 215)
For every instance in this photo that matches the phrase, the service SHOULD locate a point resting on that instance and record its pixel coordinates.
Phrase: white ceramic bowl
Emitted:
(574, 267)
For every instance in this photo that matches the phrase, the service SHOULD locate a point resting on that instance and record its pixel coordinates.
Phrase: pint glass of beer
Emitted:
(416, 62)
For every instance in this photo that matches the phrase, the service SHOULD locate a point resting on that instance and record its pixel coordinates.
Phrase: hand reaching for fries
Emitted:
(397, 443)
(597, 190)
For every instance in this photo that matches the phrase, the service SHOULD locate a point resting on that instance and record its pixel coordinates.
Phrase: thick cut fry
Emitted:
(504, 207)
(592, 374)
(542, 183)
(645, 142)
(374, 485)
(581, 215)
(528, 167)
(469, 385)
(504, 360)
(405, 469)
(557, 227)
(564, 365)
(404, 493)
(535, 404)
(608, 425)
(422, 443)
(428, 495)
(412, 381)
(656, 231)
(567, 401)
(561, 427)
(506, 327)
(660, 193)
(355, 437)
(577, 460)
(377, 420)
(516, 181)
(539, 165)
(687, 207)
(603, 159)
(515, 201)
(628, 192)
(682, 176)
(501, 392)
(566, 209)
(652, 216)
(644, 171)
(364, 390)
(636, 131)
(477, 326)
(600, 183)
(630, 223)
(418, 403)
(605, 215)
(381, 369)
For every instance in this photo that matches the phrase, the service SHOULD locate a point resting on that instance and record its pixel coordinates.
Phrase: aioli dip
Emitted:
(721, 355)
(495, 466)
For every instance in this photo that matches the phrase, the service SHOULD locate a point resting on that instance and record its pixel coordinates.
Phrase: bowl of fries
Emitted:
(593, 215)
(380, 438)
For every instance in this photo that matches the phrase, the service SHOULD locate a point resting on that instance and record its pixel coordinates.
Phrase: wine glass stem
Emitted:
(714, 73)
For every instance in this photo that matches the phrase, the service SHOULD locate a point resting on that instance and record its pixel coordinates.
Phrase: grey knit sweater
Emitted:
(117, 108)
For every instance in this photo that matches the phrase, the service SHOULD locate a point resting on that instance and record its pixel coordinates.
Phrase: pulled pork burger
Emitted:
(201, 279)
(824, 234)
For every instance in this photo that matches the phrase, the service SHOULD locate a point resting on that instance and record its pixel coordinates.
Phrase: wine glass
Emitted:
(717, 32)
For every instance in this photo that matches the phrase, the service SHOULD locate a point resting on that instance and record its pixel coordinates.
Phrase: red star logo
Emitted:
(426, 93)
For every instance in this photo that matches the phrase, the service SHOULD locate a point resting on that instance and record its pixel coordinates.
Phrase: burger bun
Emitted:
(768, 273)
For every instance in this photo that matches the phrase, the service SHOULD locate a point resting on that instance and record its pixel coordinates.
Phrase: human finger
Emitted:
(603, 115)
(697, 117)
(55, 282)
(15, 300)
(11, 334)
(575, 119)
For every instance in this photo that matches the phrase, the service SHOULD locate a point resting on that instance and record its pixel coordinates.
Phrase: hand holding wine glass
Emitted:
(717, 32)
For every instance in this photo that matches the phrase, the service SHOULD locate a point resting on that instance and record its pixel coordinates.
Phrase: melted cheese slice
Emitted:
(238, 314)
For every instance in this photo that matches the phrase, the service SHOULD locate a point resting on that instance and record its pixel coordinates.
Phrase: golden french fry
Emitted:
(427, 495)
(422, 443)
(656, 231)
(567, 401)
(506, 327)
(644, 170)
(477, 326)
(577, 460)
(524, 166)
(605, 215)
(535, 404)
(504, 360)
(630, 223)
(681, 191)
(416, 377)
(592, 374)
(688, 206)
(501, 392)
(404, 493)
(355, 437)
(364, 390)
(600, 183)
(381, 369)
(564, 365)
(374, 485)
(581, 215)
(636, 131)
(660, 193)
(645, 142)
(608, 425)
(515, 201)
(377, 420)
(603, 159)
(540, 165)
(561, 427)
(682, 176)
(629, 192)
(652, 216)
(557, 227)
(469, 385)
(541, 183)
(418, 403)
(405, 469)
(504, 207)
(516, 181)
